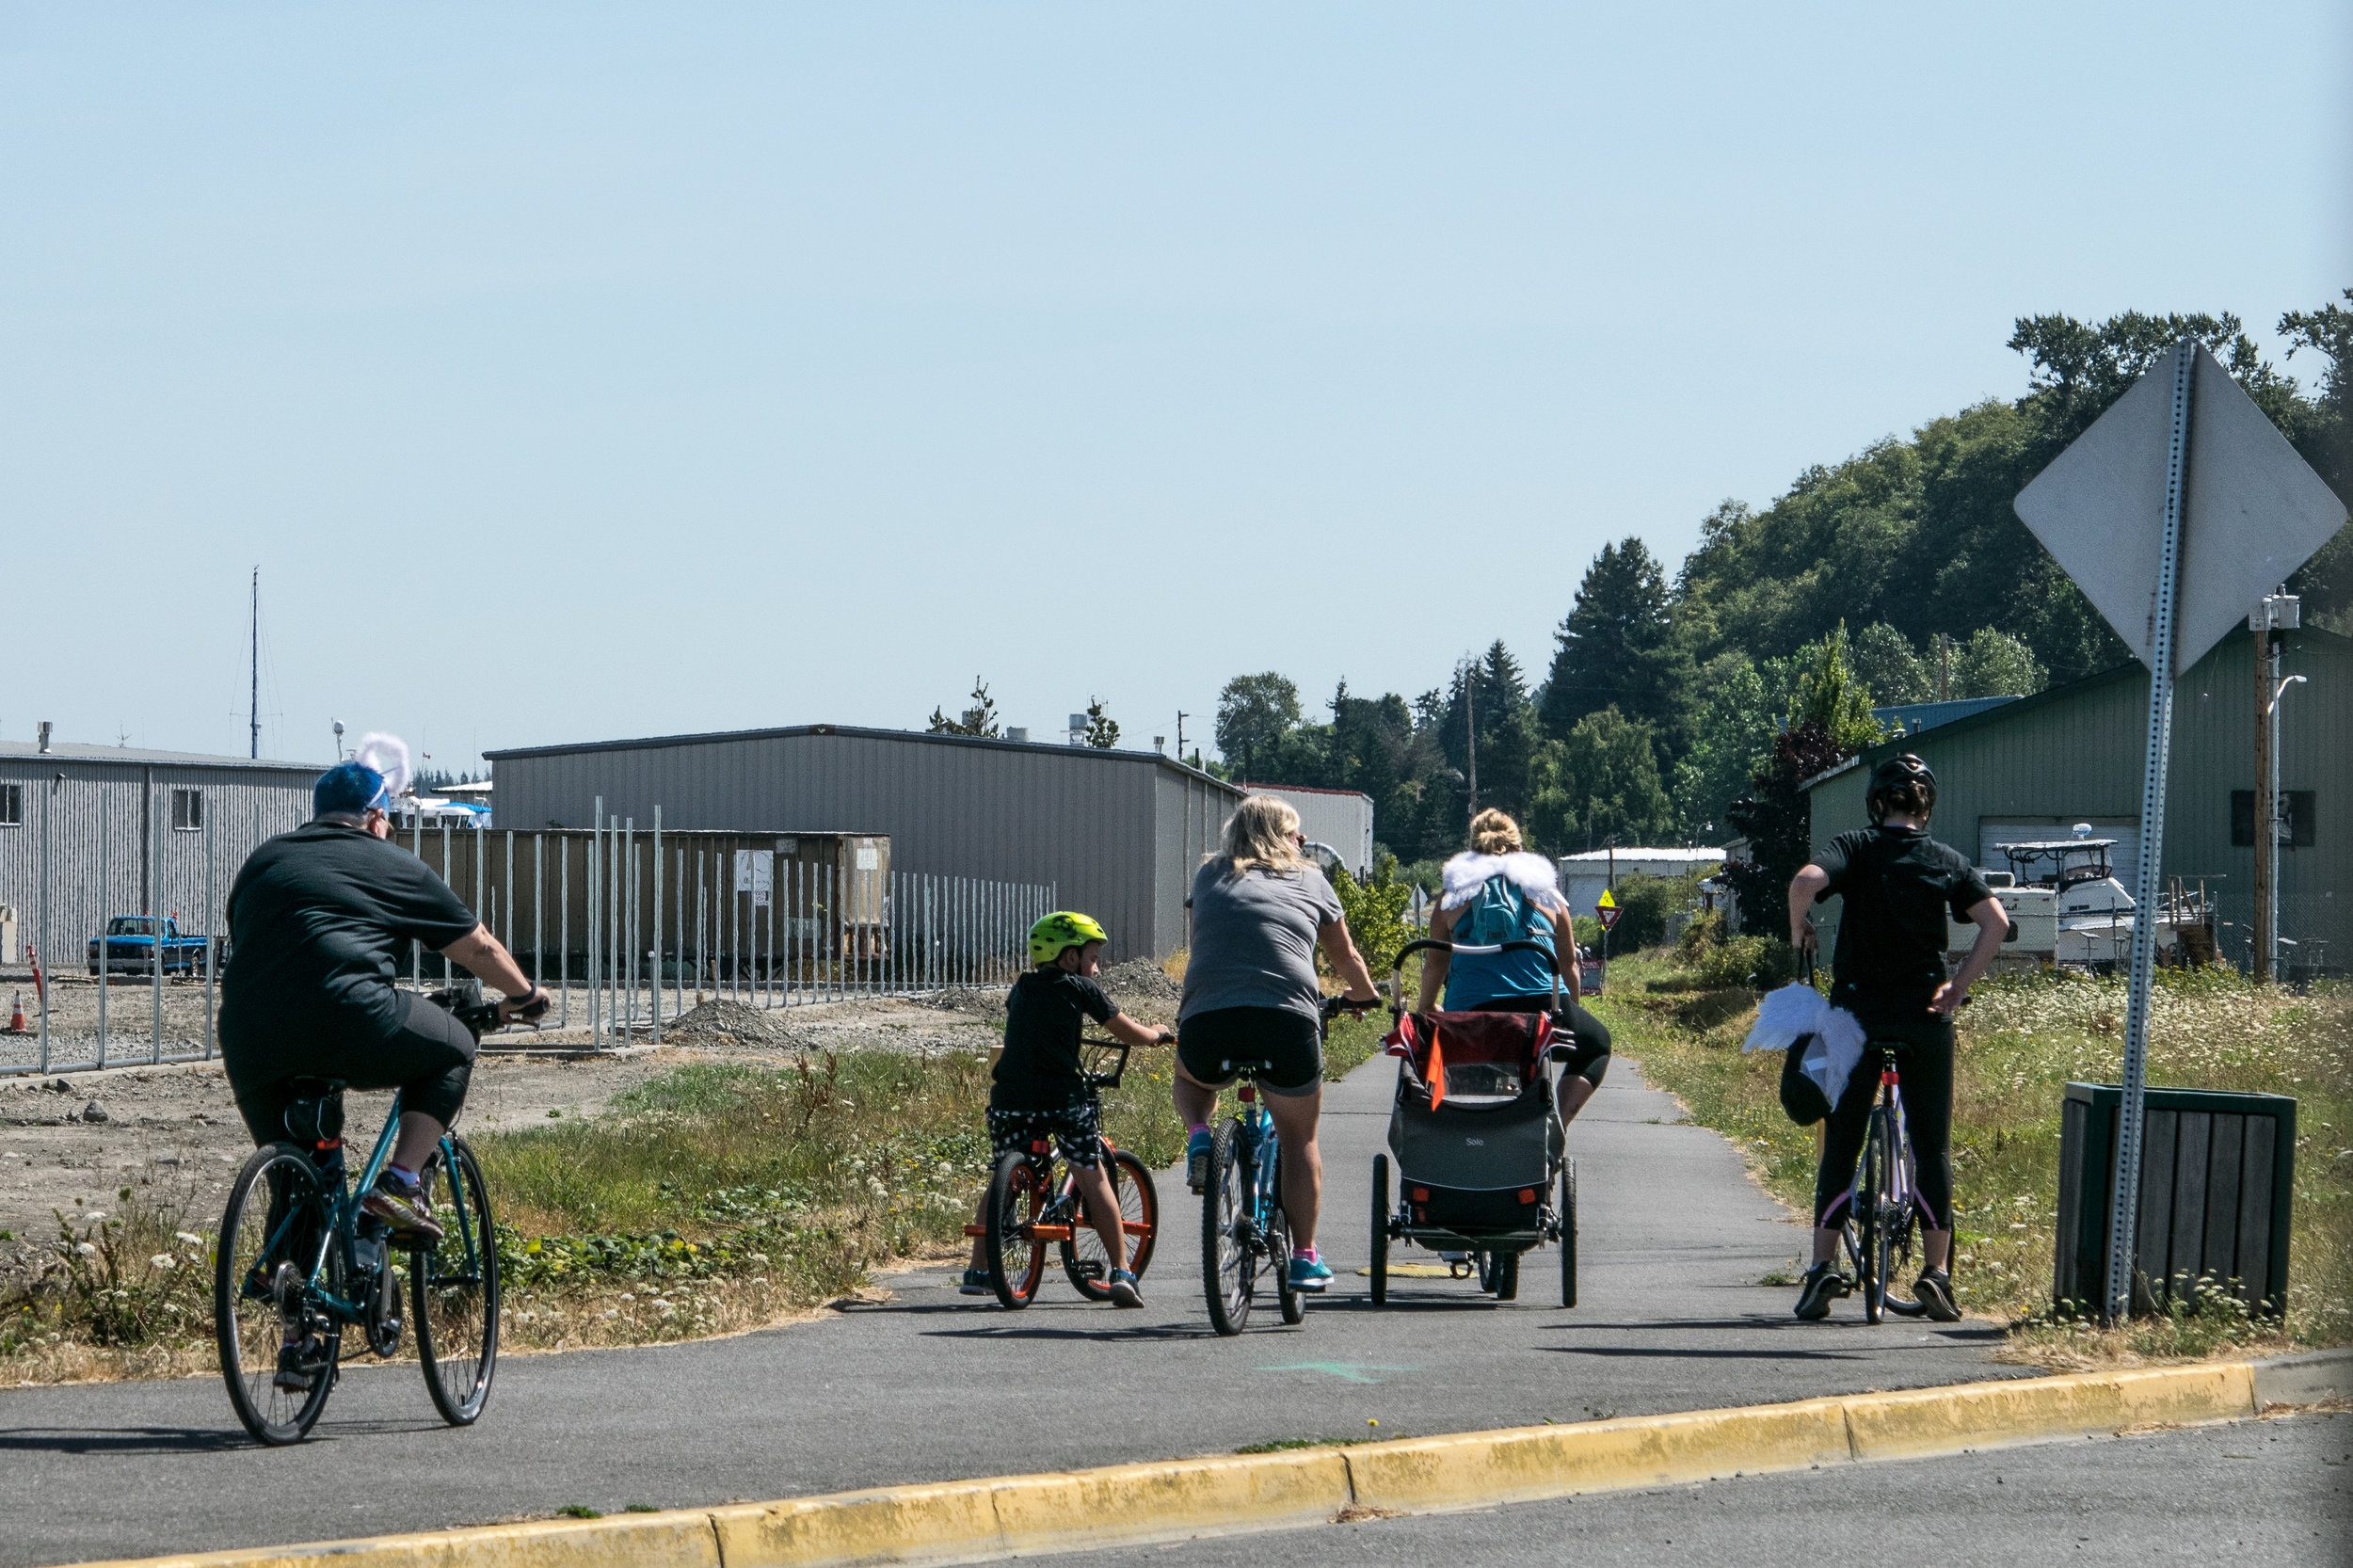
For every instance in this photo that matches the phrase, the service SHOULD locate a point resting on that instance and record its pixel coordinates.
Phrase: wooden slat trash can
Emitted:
(2216, 1176)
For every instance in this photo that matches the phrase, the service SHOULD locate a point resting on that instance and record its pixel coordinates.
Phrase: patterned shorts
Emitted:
(1076, 1130)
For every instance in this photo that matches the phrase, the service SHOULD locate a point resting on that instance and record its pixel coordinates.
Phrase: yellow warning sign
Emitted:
(1605, 901)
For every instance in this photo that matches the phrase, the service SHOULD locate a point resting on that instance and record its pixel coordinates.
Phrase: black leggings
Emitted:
(429, 1058)
(1591, 1058)
(1924, 1062)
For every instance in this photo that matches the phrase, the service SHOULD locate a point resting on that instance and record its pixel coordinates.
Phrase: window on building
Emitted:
(2299, 818)
(11, 805)
(188, 809)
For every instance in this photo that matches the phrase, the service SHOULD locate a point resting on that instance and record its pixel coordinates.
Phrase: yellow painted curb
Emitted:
(1120, 1504)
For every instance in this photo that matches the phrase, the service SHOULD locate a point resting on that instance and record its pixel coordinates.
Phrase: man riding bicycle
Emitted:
(1889, 972)
(317, 917)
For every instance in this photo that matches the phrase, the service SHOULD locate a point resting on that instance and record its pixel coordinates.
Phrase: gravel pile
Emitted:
(721, 1019)
(987, 1003)
(1139, 980)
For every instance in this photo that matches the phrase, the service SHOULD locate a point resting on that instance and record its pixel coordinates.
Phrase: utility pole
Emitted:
(254, 729)
(1943, 667)
(1470, 728)
(1181, 717)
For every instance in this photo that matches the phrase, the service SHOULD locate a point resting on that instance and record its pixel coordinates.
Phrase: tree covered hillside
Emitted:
(1900, 575)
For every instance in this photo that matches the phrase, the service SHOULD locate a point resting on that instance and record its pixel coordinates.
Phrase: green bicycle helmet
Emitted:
(1060, 931)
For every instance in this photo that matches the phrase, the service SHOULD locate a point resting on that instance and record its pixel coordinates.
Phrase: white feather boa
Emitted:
(1532, 874)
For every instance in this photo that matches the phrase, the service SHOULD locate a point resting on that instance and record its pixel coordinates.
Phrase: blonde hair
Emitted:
(1493, 833)
(1259, 834)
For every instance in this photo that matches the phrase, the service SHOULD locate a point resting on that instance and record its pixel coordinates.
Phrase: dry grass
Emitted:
(2021, 1042)
(717, 1198)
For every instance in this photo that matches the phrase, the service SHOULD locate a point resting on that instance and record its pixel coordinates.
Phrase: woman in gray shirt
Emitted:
(1260, 912)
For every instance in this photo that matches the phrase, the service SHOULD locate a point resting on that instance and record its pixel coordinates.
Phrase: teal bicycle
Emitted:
(298, 1263)
(1244, 1232)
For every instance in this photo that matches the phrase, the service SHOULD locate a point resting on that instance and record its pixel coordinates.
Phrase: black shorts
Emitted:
(1589, 1059)
(429, 1059)
(1293, 1042)
(1076, 1130)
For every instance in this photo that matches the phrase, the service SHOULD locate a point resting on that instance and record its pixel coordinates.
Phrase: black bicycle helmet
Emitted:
(1893, 775)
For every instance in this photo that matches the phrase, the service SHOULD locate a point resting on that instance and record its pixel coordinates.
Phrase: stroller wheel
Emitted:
(1503, 1274)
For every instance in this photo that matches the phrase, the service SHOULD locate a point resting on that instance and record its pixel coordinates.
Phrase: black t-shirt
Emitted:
(317, 920)
(1040, 1070)
(1898, 883)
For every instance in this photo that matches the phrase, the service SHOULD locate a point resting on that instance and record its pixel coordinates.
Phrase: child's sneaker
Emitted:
(1122, 1288)
(976, 1283)
(1310, 1275)
(1197, 1148)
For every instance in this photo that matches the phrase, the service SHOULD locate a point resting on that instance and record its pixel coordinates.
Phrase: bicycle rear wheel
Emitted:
(1017, 1201)
(269, 1231)
(1379, 1229)
(1226, 1266)
(1871, 1219)
(1292, 1302)
(1568, 1233)
(453, 1289)
(1082, 1257)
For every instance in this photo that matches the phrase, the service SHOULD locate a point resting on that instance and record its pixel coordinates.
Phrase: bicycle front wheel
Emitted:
(453, 1289)
(270, 1230)
(1017, 1201)
(1226, 1271)
(1083, 1258)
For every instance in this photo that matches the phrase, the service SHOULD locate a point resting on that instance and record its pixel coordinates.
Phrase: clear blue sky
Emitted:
(575, 372)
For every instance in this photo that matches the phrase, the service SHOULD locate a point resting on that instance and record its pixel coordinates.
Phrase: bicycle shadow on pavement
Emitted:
(124, 1440)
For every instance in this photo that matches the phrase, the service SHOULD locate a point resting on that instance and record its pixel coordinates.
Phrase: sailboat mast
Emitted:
(254, 731)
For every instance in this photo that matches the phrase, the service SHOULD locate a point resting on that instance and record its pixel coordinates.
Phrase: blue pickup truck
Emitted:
(130, 943)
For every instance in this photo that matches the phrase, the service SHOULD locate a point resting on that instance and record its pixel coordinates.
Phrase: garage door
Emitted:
(2125, 856)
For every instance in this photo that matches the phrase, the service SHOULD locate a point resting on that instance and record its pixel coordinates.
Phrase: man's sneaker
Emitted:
(975, 1284)
(1123, 1289)
(401, 1203)
(299, 1364)
(1309, 1274)
(1197, 1148)
(1934, 1293)
(1824, 1284)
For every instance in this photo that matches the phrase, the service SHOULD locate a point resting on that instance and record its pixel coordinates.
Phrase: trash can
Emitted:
(2216, 1177)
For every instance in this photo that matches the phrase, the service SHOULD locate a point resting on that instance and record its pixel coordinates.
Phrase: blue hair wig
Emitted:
(347, 787)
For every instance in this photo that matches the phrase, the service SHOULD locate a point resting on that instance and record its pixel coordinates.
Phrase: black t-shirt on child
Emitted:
(1898, 883)
(1043, 1016)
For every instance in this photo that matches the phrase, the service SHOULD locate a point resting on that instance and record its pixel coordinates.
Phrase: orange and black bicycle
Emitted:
(1034, 1202)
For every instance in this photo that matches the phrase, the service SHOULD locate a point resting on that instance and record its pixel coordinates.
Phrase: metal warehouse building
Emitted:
(2032, 768)
(1118, 833)
(160, 823)
(1340, 818)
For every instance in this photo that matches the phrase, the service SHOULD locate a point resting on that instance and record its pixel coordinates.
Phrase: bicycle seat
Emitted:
(1252, 1068)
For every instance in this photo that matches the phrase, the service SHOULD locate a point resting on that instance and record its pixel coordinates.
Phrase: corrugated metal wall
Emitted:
(2078, 756)
(1088, 822)
(1332, 817)
(150, 864)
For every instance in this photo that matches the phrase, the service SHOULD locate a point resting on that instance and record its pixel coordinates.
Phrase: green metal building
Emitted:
(2073, 754)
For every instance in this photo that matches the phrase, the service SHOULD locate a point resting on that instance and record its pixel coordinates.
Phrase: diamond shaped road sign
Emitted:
(2256, 511)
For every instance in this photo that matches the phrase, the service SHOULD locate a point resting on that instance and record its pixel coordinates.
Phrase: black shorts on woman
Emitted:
(1290, 1041)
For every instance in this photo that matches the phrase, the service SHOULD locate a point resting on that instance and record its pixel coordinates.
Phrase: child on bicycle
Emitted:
(1889, 972)
(1039, 1087)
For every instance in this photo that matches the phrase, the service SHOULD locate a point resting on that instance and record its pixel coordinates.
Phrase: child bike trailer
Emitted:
(1475, 1135)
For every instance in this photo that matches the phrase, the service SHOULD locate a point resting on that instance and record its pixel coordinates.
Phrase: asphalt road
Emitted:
(2274, 1493)
(931, 1386)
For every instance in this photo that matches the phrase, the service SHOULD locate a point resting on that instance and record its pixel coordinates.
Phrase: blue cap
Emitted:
(347, 787)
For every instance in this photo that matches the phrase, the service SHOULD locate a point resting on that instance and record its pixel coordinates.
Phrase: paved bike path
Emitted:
(931, 1386)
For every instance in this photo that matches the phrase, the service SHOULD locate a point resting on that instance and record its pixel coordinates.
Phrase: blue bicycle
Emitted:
(1244, 1232)
(297, 1262)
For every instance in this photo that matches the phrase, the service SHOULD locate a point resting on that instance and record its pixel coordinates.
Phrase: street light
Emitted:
(339, 740)
(2272, 717)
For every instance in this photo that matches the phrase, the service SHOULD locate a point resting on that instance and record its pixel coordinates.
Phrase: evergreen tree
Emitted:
(1102, 729)
(1491, 690)
(979, 719)
(1618, 646)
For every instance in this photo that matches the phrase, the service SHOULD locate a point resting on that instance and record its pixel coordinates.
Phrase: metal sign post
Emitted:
(2179, 508)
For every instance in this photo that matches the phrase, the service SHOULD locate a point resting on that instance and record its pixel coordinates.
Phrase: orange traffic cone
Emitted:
(16, 1016)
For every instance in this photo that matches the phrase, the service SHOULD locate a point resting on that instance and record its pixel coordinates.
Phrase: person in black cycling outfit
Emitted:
(1889, 972)
(317, 918)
